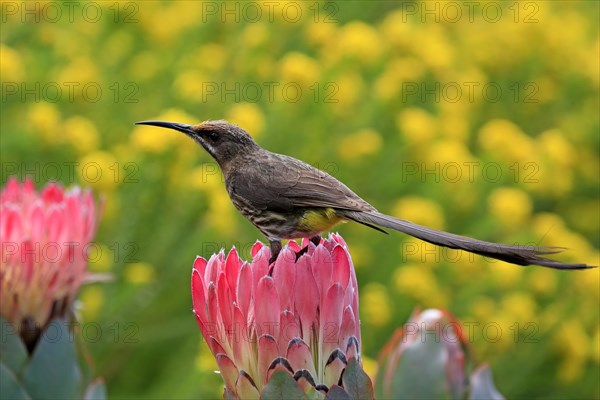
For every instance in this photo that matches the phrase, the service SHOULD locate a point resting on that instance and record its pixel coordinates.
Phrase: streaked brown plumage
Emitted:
(286, 198)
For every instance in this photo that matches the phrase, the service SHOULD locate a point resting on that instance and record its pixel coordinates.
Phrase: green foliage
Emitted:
(52, 371)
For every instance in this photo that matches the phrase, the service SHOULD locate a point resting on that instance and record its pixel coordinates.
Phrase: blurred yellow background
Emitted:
(480, 118)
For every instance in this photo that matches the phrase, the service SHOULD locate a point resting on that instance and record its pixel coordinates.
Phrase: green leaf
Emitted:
(9, 386)
(314, 394)
(482, 385)
(53, 371)
(13, 353)
(282, 386)
(420, 373)
(337, 393)
(356, 382)
(96, 390)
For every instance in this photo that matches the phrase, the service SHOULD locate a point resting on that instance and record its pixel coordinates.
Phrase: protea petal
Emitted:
(229, 372)
(245, 387)
(267, 352)
(300, 356)
(341, 266)
(331, 318)
(306, 296)
(279, 364)
(267, 316)
(305, 380)
(260, 267)
(352, 349)
(240, 341)
(45, 237)
(210, 272)
(256, 247)
(225, 304)
(284, 276)
(333, 367)
(232, 263)
(211, 302)
(322, 268)
(347, 328)
(215, 346)
(198, 298)
(299, 316)
(290, 329)
(244, 289)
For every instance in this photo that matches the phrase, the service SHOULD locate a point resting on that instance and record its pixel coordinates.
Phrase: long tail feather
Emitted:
(520, 255)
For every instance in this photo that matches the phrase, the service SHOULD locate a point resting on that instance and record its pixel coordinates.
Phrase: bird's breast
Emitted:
(318, 219)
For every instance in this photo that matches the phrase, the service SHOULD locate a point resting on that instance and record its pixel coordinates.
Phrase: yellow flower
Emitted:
(343, 93)
(112, 206)
(375, 304)
(150, 139)
(595, 346)
(420, 210)
(320, 33)
(399, 77)
(92, 298)
(165, 21)
(191, 85)
(505, 140)
(140, 273)
(248, 116)
(101, 258)
(416, 125)
(361, 254)
(205, 361)
(510, 206)
(255, 35)
(542, 280)
(84, 71)
(100, 170)
(453, 158)
(360, 41)
(434, 47)
(506, 275)
(520, 307)
(45, 115)
(483, 308)
(118, 45)
(555, 146)
(419, 282)
(212, 56)
(396, 30)
(221, 213)
(571, 341)
(359, 144)
(369, 365)
(298, 68)
(144, 65)
(11, 66)
(81, 133)
(207, 177)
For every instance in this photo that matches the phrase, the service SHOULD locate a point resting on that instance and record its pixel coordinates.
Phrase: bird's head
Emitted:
(222, 140)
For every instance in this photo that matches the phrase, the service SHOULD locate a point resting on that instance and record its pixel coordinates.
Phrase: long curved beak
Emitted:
(185, 128)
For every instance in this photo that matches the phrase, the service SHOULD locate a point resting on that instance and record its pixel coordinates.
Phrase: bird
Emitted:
(286, 198)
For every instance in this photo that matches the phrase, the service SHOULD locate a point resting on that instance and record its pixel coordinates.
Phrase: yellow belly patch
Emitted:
(319, 220)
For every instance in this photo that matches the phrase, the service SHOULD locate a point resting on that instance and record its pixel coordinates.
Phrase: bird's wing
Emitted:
(285, 183)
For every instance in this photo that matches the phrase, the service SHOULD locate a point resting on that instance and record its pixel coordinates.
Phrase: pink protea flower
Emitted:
(297, 316)
(44, 238)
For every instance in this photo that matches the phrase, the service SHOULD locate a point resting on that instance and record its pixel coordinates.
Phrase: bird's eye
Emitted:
(214, 136)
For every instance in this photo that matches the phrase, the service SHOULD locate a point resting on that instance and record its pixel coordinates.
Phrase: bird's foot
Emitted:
(301, 252)
(316, 240)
